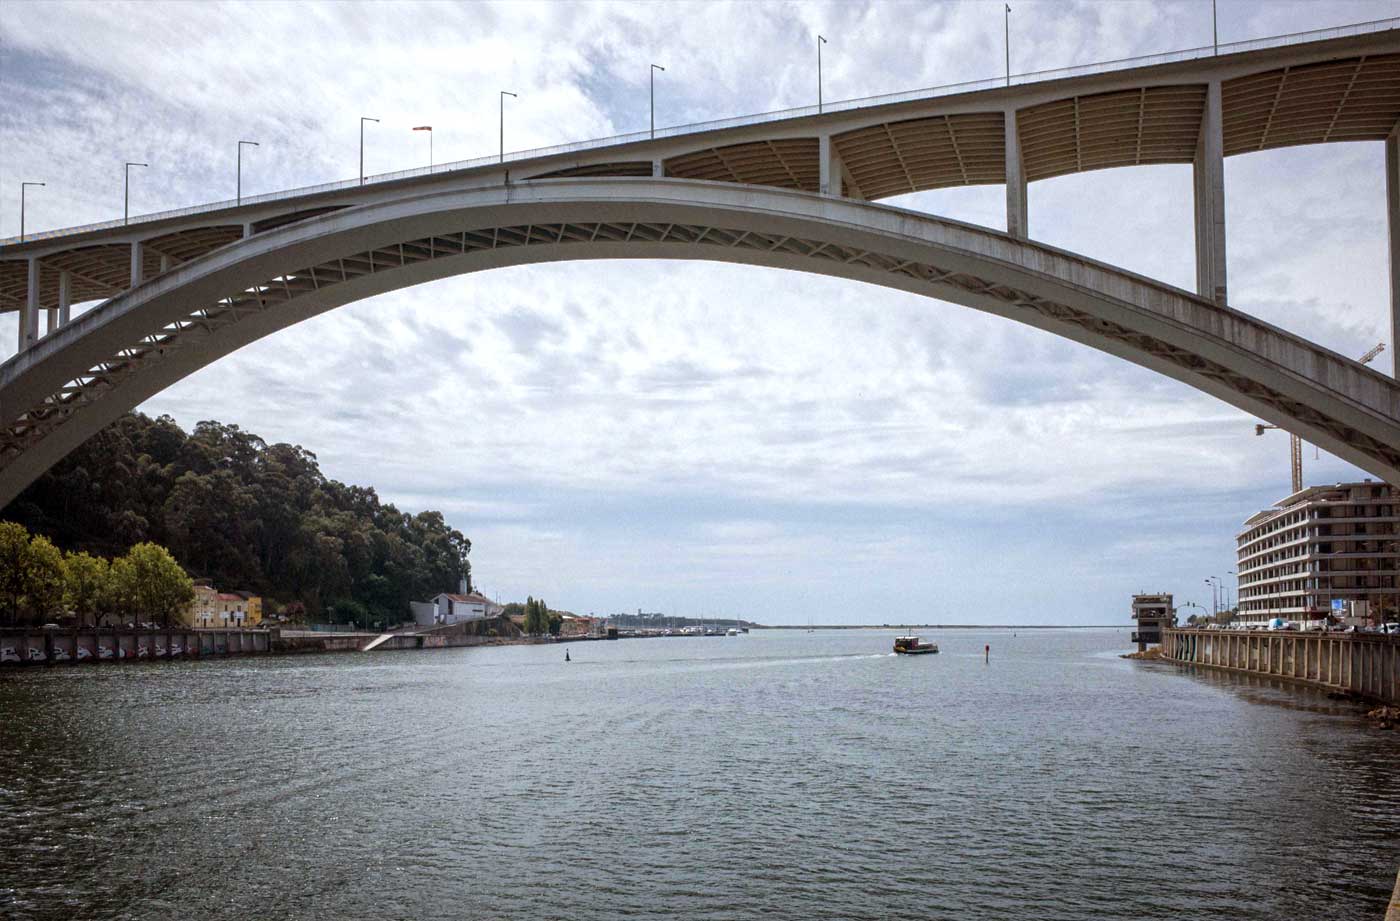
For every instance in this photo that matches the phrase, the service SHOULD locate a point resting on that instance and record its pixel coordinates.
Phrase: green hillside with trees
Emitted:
(245, 514)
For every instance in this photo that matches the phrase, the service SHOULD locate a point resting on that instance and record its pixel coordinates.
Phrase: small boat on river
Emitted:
(913, 646)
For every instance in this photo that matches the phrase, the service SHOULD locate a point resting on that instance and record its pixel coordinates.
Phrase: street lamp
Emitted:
(363, 119)
(651, 74)
(126, 192)
(1008, 43)
(240, 167)
(504, 94)
(1214, 583)
(820, 41)
(22, 187)
(1214, 29)
(429, 129)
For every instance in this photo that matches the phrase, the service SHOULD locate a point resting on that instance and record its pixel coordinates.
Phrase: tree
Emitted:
(31, 573)
(536, 616)
(44, 593)
(14, 563)
(85, 585)
(157, 586)
(119, 596)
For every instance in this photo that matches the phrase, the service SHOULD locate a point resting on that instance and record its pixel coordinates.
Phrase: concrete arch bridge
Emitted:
(180, 290)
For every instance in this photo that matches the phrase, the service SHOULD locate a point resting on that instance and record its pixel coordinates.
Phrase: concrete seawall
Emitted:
(34, 646)
(1367, 664)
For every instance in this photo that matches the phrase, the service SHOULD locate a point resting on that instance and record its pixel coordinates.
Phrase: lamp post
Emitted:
(429, 129)
(22, 187)
(126, 192)
(363, 119)
(652, 75)
(240, 167)
(504, 94)
(820, 41)
(1214, 583)
(1007, 18)
(1214, 30)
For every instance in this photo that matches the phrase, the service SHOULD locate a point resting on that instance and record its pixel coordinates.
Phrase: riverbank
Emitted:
(40, 646)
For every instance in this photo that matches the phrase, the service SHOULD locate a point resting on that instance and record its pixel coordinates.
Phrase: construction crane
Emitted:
(1295, 443)
(1295, 453)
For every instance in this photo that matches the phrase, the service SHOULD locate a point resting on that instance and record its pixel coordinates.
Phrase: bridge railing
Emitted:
(934, 92)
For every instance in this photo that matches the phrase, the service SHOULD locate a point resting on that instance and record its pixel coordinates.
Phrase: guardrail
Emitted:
(844, 105)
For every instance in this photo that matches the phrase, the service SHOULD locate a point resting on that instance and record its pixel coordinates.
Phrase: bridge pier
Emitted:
(829, 166)
(29, 313)
(1392, 207)
(138, 268)
(1209, 174)
(1017, 207)
(65, 297)
(658, 168)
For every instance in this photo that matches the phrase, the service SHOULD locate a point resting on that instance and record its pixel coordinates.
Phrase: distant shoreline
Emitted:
(942, 626)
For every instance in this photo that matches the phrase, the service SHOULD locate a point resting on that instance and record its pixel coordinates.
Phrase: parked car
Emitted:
(1392, 629)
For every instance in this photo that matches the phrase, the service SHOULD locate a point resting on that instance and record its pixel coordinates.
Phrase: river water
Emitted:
(782, 774)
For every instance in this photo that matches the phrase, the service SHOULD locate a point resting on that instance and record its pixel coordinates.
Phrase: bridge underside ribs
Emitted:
(29, 427)
(898, 157)
(1357, 99)
(1128, 128)
(786, 164)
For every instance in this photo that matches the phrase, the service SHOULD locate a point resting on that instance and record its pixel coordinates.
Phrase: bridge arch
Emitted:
(71, 384)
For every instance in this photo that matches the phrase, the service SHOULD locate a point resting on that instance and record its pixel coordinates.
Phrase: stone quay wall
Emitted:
(1367, 664)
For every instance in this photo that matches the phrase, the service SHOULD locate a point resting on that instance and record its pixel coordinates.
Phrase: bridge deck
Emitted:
(1331, 86)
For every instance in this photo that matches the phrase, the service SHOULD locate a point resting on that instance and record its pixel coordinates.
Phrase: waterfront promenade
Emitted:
(1367, 664)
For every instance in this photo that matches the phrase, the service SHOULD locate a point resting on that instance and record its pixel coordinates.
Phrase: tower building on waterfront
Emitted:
(1153, 613)
(1320, 551)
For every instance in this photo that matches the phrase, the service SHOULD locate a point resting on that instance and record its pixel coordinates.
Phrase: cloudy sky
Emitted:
(713, 439)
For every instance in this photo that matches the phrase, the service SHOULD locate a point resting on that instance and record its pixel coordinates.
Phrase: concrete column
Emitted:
(247, 230)
(1017, 207)
(829, 167)
(65, 298)
(658, 169)
(164, 263)
(138, 272)
(50, 321)
(1210, 201)
(1392, 210)
(29, 313)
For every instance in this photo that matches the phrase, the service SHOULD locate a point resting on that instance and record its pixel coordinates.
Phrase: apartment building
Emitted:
(1320, 550)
